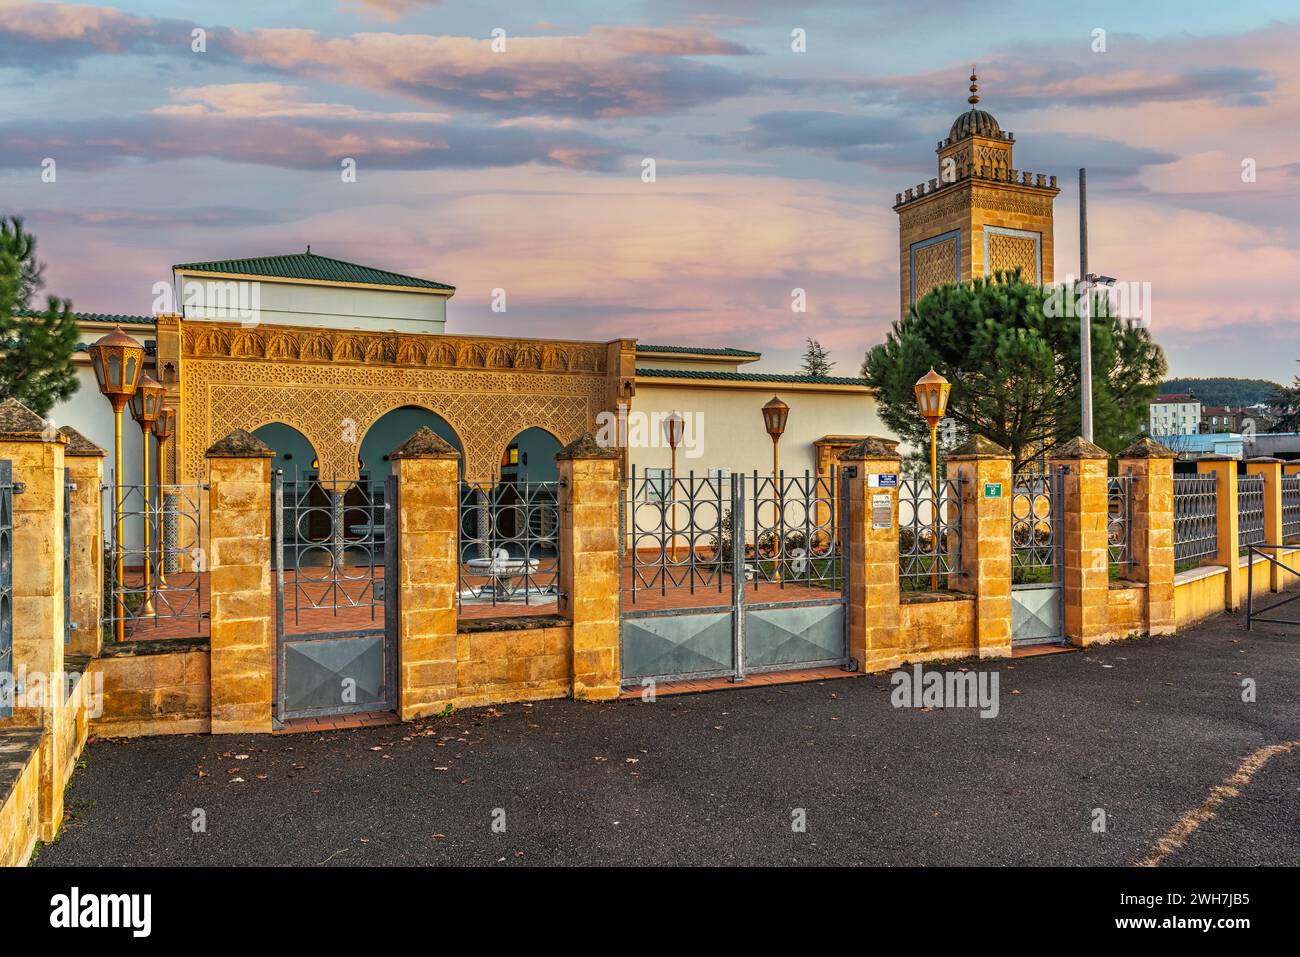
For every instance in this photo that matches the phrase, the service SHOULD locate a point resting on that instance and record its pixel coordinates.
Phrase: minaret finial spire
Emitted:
(974, 87)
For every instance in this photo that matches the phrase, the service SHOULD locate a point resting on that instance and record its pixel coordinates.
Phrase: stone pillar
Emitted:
(428, 513)
(35, 451)
(85, 462)
(1086, 569)
(984, 468)
(589, 564)
(1225, 470)
(1271, 469)
(240, 586)
(1151, 532)
(875, 616)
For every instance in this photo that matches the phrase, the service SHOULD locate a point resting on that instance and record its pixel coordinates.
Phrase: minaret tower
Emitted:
(979, 215)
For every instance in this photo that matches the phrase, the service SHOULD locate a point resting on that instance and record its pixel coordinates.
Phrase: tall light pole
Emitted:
(673, 426)
(775, 414)
(118, 361)
(931, 392)
(163, 429)
(1085, 319)
(145, 405)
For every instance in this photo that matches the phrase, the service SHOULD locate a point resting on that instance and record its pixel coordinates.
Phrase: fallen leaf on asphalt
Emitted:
(442, 769)
(1015, 691)
(236, 780)
(631, 760)
(241, 757)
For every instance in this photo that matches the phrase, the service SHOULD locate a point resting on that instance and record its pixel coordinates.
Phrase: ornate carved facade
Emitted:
(332, 385)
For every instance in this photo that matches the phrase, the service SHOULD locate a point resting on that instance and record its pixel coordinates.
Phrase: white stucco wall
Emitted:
(309, 304)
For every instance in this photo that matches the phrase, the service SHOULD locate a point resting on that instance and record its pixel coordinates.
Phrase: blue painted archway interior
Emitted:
(392, 429)
(293, 452)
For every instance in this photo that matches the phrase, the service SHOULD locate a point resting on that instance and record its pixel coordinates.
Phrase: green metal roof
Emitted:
(749, 376)
(697, 350)
(308, 265)
(99, 317)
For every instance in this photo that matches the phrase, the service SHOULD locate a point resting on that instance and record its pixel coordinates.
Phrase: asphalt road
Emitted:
(1144, 730)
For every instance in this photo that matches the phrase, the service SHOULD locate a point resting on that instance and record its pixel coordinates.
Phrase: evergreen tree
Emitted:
(816, 360)
(1011, 353)
(36, 348)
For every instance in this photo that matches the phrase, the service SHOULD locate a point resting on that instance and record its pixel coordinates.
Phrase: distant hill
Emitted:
(1223, 391)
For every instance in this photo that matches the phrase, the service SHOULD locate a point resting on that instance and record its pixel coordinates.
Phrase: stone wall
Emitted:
(154, 687)
(513, 659)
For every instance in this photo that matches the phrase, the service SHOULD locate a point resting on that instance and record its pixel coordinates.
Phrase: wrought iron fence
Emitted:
(509, 543)
(1250, 509)
(1196, 533)
(1034, 540)
(678, 532)
(329, 548)
(681, 534)
(929, 532)
(794, 537)
(1119, 520)
(159, 591)
(68, 487)
(6, 588)
(1290, 508)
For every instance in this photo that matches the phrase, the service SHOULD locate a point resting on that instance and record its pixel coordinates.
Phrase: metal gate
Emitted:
(728, 575)
(336, 558)
(1037, 557)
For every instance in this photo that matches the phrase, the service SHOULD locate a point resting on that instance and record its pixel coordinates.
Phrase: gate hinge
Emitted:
(19, 487)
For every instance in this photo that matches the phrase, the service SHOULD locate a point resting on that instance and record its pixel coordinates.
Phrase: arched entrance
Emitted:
(530, 457)
(294, 454)
(392, 429)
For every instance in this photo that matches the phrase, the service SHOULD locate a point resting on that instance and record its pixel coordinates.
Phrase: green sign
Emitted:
(992, 489)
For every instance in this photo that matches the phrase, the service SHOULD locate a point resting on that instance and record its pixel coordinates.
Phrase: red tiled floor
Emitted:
(765, 679)
(342, 722)
(1035, 651)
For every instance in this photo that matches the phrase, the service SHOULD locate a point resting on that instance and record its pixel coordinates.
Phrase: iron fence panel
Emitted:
(1195, 517)
(1250, 509)
(6, 588)
(929, 531)
(509, 538)
(1290, 508)
(161, 591)
(1119, 520)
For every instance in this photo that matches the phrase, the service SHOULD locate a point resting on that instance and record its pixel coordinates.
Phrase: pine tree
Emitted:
(36, 348)
(1012, 357)
(816, 360)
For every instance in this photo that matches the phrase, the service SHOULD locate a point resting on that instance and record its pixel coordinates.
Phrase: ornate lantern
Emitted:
(932, 399)
(119, 362)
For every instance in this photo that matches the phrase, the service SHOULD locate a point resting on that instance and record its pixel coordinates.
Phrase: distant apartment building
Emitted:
(1221, 418)
(1175, 414)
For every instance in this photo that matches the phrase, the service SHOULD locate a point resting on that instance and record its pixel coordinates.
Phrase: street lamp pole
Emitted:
(145, 405)
(931, 392)
(673, 426)
(775, 415)
(118, 361)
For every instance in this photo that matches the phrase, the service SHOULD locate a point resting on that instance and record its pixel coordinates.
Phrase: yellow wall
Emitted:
(154, 694)
(20, 813)
(938, 626)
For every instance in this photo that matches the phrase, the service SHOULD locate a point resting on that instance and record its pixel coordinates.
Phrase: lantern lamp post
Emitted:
(145, 404)
(674, 426)
(118, 361)
(932, 399)
(775, 414)
(163, 429)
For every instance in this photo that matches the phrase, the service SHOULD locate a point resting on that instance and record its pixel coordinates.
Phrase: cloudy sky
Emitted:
(522, 169)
